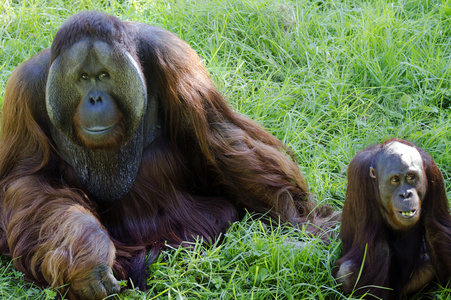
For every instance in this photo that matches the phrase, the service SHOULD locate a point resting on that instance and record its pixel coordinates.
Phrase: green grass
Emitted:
(328, 78)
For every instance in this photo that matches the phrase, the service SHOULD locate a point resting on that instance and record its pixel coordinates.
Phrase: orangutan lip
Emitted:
(97, 130)
(408, 213)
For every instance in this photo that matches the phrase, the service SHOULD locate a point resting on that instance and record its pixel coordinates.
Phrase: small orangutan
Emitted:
(396, 226)
(114, 144)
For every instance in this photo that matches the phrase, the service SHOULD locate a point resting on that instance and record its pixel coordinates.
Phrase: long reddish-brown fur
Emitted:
(207, 167)
(364, 234)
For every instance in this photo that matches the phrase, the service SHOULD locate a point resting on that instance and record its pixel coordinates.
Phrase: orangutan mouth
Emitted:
(408, 213)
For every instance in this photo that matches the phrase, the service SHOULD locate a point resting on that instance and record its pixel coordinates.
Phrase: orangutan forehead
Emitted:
(402, 153)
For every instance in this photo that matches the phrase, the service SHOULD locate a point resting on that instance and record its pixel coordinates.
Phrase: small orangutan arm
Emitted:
(347, 276)
(422, 275)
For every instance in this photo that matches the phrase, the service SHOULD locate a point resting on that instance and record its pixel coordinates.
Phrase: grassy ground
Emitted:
(327, 77)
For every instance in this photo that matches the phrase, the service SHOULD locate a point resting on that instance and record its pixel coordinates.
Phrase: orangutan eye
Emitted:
(411, 177)
(395, 179)
(104, 75)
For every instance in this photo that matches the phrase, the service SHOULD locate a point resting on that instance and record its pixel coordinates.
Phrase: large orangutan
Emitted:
(114, 144)
(396, 226)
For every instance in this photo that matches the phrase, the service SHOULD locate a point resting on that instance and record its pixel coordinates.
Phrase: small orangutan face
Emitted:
(402, 185)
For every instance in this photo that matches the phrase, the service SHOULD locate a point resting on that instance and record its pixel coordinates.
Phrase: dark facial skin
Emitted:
(402, 185)
(91, 87)
(101, 119)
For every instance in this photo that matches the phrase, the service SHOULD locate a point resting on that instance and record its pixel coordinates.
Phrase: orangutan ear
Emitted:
(372, 172)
